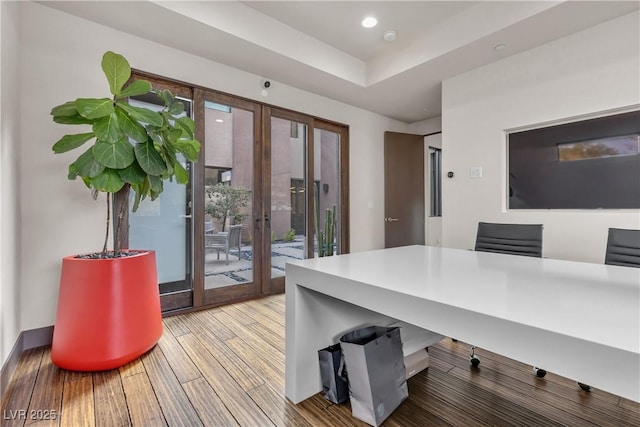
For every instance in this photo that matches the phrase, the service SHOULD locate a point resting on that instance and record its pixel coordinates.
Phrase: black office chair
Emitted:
(623, 249)
(513, 239)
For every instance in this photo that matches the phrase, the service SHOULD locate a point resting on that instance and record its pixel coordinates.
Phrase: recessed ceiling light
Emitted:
(499, 47)
(369, 22)
(219, 120)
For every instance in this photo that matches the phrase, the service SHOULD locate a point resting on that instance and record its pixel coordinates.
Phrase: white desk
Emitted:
(574, 319)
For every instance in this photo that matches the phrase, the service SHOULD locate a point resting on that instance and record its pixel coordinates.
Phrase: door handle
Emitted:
(185, 216)
(389, 219)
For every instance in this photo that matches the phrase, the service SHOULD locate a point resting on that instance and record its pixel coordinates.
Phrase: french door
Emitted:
(229, 223)
(304, 178)
(261, 170)
(165, 224)
(270, 186)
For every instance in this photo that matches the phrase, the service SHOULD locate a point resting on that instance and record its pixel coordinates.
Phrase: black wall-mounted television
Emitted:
(587, 164)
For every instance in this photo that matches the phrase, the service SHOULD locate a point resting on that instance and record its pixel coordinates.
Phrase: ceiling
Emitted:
(320, 46)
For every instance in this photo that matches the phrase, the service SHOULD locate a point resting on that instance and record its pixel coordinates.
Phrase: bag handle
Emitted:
(342, 369)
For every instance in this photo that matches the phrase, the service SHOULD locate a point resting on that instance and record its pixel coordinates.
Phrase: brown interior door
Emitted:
(403, 189)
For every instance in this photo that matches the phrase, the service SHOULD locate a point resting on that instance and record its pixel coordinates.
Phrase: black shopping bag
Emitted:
(377, 381)
(333, 375)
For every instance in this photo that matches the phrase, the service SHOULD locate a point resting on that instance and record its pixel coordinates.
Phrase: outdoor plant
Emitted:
(225, 201)
(325, 235)
(133, 147)
(289, 235)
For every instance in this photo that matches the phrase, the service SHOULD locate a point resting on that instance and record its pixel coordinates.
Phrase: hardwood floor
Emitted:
(225, 367)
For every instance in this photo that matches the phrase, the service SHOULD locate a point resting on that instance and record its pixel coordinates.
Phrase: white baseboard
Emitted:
(26, 340)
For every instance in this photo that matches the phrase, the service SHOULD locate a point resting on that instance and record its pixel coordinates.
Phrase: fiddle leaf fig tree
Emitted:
(132, 147)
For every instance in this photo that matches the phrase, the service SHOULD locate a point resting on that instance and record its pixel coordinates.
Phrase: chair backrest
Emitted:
(623, 248)
(515, 239)
(216, 241)
(234, 235)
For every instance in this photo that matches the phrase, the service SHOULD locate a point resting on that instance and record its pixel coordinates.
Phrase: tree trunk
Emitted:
(121, 218)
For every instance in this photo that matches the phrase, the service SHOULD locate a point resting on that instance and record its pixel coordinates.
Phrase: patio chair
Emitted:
(224, 241)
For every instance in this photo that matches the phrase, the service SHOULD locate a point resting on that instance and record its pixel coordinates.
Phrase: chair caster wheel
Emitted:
(473, 358)
(539, 372)
(585, 387)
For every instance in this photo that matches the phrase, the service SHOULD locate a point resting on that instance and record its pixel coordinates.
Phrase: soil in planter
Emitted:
(108, 255)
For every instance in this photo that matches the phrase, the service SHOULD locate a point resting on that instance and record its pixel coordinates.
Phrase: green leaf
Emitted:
(190, 149)
(176, 108)
(86, 181)
(155, 182)
(108, 181)
(156, 134)
(187, 124)
(149, 159)
(86, 165)
(169, 173)
(73, 174)
(93, 108)
(142, 114)
(66, 109)
(131, 128)
(166, 96)
(141, 191)
(182, 176)
(136, 88)
(117, 70)
(108, 129)
(69, 142)
(136, 200)
(168, 153)
(76, 119)
(132, 174)
(116, 155)
(173, 134)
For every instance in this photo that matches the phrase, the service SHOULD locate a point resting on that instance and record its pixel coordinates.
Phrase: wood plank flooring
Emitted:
(225, 367)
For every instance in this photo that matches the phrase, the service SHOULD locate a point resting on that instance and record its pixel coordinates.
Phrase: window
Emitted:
(607, 147)
(213, 175)
(435, 159)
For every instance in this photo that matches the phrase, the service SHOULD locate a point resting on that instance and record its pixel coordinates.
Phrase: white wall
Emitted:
(424, 127)
(582, 74)
(60, 60)
(9, 178)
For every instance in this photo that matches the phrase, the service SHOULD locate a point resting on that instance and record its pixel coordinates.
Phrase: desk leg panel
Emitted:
(315, 321)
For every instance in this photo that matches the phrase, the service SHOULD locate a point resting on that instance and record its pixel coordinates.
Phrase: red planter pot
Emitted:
(108, 312)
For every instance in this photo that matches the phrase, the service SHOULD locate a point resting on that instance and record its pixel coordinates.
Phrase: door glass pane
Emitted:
(288, 189)
(436, 182)
(228, 159)
(164, 225)
(327, 196)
